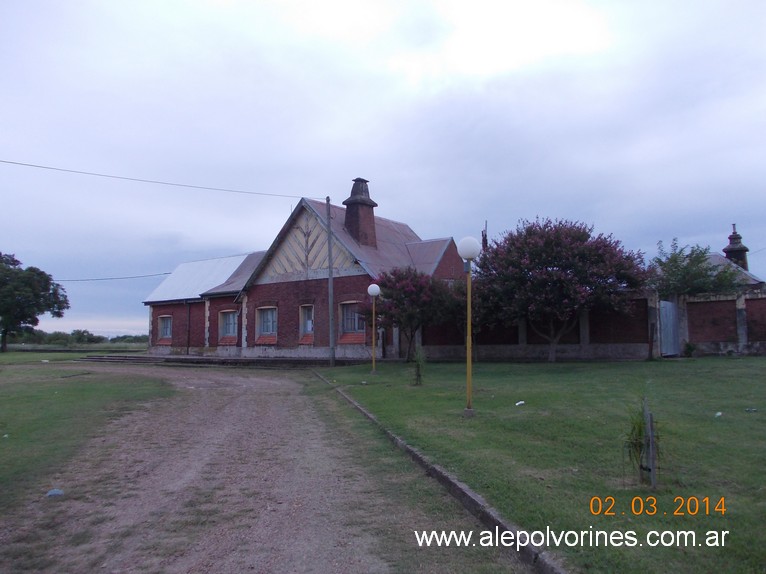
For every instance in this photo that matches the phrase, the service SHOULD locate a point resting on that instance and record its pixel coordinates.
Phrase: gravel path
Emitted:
(236, 473)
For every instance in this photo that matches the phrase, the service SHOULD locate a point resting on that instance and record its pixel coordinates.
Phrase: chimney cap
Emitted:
(735, 241)
(360, 194)
(735, 251)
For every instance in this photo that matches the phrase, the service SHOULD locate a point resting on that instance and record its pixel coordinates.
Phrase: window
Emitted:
(306, 335)
(307, 319)
(166, 327)
(227, 324)
(353, 321)
(267, 321)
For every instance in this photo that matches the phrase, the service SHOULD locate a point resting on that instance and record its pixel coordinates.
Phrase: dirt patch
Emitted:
(236, 473)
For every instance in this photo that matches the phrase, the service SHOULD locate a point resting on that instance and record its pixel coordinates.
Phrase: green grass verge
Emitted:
(47, 411)
(398, 478)
(28, 358)
(541, 463)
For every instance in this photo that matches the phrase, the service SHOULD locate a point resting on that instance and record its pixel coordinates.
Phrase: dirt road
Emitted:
(238, 472)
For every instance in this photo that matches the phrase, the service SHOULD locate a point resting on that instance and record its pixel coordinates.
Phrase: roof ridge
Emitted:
(219, 257)
(377, 217)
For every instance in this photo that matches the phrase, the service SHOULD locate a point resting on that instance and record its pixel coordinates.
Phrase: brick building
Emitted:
(726, 324)
(699, 325)
(301, 297)
(278, 303)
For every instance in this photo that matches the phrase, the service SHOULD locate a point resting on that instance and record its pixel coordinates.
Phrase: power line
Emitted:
(154, 181)
(110, 278)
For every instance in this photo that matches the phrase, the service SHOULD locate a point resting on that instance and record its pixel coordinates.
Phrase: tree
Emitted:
(130, 339)
(547, 272)
(689, 271)
(85, 336)
(25, 294)
(411, 300)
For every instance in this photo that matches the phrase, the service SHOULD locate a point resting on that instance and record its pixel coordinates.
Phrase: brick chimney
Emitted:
(360, 216)
(735, 251)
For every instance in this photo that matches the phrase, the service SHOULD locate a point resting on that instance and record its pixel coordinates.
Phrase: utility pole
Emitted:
(330, 295)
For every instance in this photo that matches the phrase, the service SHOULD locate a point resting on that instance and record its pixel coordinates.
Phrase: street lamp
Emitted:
(373, 291)
(468, 248)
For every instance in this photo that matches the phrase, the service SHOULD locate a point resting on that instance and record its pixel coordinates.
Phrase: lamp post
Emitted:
(373, 291)
(468, 248)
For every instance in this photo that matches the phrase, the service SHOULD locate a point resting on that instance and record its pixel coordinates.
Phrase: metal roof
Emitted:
(189, 280)
(744, 276)
(427, 254)
(397, 244)
(237, 280)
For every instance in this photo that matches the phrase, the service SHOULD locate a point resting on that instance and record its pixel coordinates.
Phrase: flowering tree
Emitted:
(411, 300)
(24, 295)
(547, 272)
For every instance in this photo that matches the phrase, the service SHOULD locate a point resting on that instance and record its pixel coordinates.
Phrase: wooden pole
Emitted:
(330, 294)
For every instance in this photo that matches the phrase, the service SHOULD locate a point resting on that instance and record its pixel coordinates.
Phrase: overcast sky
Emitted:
(644, 119)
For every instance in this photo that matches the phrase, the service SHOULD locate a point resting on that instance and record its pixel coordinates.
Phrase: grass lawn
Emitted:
(541, 463)
(47, 412)
(26, 357)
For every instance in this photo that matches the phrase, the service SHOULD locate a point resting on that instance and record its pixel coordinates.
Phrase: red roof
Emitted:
(398, 245)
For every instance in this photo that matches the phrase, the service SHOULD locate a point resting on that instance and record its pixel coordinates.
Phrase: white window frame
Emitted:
(269, 324)
(165, 326)
(227, 324)
(349, 324)
(307, 319)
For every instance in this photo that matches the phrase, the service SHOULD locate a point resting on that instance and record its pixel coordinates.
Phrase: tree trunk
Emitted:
(553, 336)
(552, 351)
(3, 340)
(410, 334)
(554, 341)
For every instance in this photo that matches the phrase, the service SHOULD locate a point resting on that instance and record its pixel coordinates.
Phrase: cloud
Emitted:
(643, 119)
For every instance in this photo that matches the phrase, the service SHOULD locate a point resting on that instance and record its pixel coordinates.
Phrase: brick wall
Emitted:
(599, 335)
(218, 305)
(712, 321)
(572, 337)
(451, 265)
(449, 334)
(188, 324)
(497, 336)
(756, 319)
(290, 296)
(610, 327)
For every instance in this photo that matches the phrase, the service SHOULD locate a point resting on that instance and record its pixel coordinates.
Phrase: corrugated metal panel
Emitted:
(398, 244)
(670, 344)
(427, 254)
(237, 280)
(189, 280)
(744, 276)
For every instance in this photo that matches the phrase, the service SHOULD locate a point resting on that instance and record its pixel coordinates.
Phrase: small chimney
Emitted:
(735, 251)
(360, 215)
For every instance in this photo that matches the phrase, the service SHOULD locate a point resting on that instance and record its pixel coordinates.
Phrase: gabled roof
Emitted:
(745, 277)
(426, 255)
(189, 280)
(234, 284)
(397, 244)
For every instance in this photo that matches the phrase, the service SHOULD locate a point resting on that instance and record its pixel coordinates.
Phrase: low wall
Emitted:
(626, 351)
(342, 352)
(724, 324)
